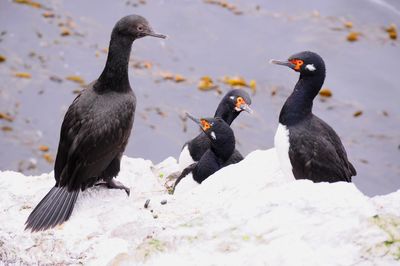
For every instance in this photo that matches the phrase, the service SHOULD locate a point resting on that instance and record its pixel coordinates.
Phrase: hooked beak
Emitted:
(194, 119)
(282, 63)
(151, 33)
(201, 122)
(246, 107)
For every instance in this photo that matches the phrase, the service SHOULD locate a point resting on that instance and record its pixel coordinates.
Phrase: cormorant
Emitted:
(308, 148)
(233, 103)
(222, 146)
(95, 130)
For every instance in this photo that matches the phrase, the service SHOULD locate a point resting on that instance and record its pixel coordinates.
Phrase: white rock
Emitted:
(245, 214)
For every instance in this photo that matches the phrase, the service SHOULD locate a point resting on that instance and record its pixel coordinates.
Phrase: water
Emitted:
(206, 39)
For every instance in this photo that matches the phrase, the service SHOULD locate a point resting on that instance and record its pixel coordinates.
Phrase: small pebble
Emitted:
(56, 79)
(155, 216)
(163, 202)
(146, 204)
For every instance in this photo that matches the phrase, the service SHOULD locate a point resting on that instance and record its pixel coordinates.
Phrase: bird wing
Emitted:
(91, 137)
(69, 129)
(341, 152)
(235, 158)
(199, 145)
(320, 157)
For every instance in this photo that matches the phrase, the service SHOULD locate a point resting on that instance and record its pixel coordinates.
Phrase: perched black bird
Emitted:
(95, 130)
(222, 146)
(233, 103)
(308, 148)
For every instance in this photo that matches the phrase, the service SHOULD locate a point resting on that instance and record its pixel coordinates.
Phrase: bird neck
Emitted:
(299, 104)
(223, 148)
(115, 73)
(225, 113)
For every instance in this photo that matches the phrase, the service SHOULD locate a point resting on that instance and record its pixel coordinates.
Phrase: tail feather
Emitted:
(62, 215)
(54, 209)
(44, 205)
(47, 214)
(71, 202)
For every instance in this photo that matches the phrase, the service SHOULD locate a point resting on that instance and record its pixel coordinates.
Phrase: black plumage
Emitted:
(222, 146)
(95, 130)
(315, 150)
(231, 105)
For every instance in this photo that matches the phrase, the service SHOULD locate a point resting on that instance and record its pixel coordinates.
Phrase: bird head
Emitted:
(238, 100)
(214, 128)
(306, 63)
(134, 27)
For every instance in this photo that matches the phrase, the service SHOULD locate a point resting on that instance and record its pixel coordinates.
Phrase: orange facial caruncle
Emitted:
(239, 102)
(298, 63)
(205, 125)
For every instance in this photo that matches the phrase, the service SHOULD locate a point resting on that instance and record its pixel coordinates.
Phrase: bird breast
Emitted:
(282, 146)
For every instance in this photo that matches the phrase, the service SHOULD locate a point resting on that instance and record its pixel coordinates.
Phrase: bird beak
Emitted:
(282, 63)
(203, 123)
(246, 107)
(194, 119)
(153, 34)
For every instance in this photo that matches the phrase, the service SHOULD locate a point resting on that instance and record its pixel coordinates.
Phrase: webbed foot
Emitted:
(114, 184)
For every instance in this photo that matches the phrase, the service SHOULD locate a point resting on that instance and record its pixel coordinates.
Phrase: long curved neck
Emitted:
(227, 115)
(115, 74)
(299, 104)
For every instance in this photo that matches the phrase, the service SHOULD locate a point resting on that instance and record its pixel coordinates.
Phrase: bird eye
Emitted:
(240, 100)
(140, 28)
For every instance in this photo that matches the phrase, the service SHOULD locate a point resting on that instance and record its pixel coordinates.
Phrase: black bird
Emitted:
(308, 148)
(95, 130)
(233, 103)
(222, 146)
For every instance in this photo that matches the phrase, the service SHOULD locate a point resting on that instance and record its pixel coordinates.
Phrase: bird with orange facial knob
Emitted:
(231, 105)
(95, 130)
(307, 147)
(222, 146)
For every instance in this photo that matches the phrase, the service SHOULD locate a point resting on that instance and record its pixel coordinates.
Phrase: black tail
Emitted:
(184, 173)
(54, 209)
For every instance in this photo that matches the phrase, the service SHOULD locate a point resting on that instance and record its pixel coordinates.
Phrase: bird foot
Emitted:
(173, 176)
(114, 184)
(170, 182)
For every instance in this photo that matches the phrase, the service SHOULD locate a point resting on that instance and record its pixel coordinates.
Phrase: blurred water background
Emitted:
(49, 49)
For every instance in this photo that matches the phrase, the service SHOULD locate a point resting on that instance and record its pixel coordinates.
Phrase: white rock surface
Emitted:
(245, 214)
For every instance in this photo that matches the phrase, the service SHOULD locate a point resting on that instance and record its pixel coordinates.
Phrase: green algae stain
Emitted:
(390, 224)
